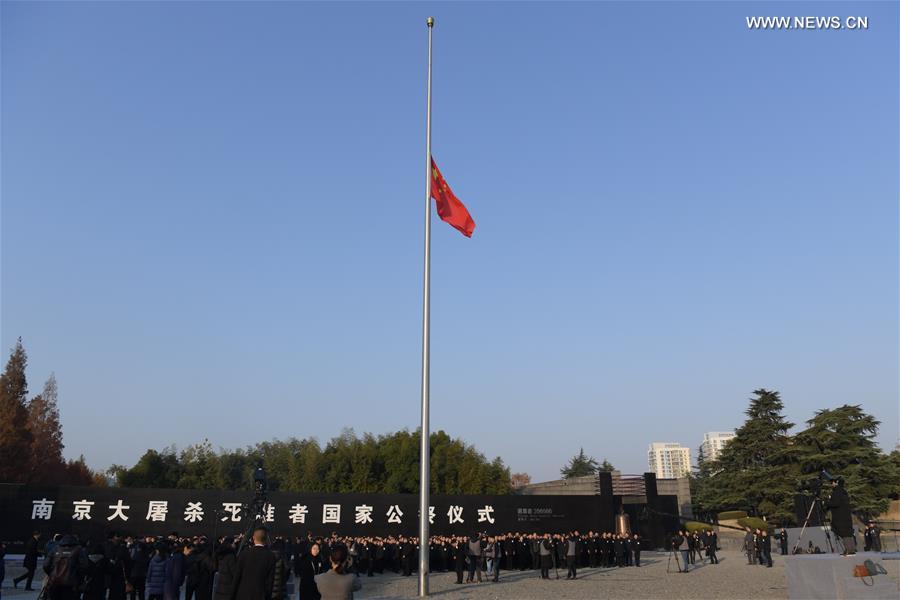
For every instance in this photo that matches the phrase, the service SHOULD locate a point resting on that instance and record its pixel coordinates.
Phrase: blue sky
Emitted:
(211, 220)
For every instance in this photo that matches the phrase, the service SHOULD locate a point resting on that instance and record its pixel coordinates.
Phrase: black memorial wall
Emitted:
(94, 511)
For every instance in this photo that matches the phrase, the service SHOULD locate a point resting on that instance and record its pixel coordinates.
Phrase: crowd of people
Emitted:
(262, 568)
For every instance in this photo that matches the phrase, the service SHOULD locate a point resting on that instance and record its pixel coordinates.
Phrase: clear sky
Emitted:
(211, 220)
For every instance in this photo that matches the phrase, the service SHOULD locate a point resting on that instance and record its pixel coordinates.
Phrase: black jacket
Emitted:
(226, 563)
(254, 575)
(306, 568)
(31, 554)
(282, 573)
(839, 504)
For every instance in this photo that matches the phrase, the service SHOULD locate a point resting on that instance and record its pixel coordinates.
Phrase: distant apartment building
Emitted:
(713, 442)
(669, 461)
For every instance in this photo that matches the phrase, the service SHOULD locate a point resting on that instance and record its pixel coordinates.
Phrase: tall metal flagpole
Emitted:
(424, 452)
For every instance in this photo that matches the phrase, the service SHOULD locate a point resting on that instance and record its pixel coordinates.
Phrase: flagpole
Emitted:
(424, 452)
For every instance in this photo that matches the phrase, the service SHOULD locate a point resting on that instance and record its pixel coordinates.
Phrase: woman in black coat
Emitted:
(226, 563)
(306, 568)
(95, 578)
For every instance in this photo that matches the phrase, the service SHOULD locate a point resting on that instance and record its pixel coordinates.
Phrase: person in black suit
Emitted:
(30, 562)
(254, 575)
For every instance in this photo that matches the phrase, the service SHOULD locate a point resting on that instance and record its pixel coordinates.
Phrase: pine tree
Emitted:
(47, 464)
(754, 471)
(606, 467)
(842, 442)
(15, 438)
(579, 466)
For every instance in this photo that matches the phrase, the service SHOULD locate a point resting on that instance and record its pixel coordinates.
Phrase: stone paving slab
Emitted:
(732, 579)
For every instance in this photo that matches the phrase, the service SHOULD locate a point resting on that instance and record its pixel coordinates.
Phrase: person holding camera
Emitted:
(841, 522)
(680, 544)
(337, 583)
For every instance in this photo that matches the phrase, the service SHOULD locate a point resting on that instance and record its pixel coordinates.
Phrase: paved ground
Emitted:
(732, 579)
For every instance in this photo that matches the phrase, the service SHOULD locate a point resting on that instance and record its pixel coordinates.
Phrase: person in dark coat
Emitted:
(254, 575)
(766, 543)
(636, 549)
(155, 581)
(712, 542)
(407, 553)
(137, 575)
(619, 549)
(174, 573)
(459, 558)
(29, 562)
(119, 566)
(306, 567)
(841, 521)
(282, 572)
(202, 571)
(226, 561)
(783, 541)
(94, 586)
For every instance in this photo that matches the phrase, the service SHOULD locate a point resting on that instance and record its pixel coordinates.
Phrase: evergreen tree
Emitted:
(579, 466)
(15, 437)
(754, 471)
(605, 467)
(842, 442)
(47, 464)
(701, 457)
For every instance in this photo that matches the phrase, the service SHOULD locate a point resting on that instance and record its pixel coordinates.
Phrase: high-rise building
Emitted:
(669, 461)
(713, 442)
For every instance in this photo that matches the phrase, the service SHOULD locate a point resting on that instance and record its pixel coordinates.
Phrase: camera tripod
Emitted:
(673, 552)
(820, 514)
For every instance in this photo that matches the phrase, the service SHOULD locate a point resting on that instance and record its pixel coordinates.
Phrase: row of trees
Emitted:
(763, 467)
(348, 463)
(31, 439)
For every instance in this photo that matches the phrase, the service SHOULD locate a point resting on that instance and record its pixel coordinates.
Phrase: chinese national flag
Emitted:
(449, 208)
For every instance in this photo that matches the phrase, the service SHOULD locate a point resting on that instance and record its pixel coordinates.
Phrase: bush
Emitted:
(753, 523)
(731, 515)
(693, 526)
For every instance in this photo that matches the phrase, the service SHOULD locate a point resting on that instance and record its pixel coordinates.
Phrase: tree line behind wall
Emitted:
(386, 464)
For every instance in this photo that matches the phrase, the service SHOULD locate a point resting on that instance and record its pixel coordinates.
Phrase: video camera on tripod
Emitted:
(259, 508)
(813, 487)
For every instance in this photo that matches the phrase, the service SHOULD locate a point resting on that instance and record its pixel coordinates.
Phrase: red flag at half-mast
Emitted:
(449, 208)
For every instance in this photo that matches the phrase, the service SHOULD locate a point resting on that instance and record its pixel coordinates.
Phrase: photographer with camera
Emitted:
(680, 545)
(841, 521)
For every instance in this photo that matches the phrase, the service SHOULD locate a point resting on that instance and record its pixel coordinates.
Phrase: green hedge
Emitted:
(753, 523)
(693, 526)
(731, 515)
